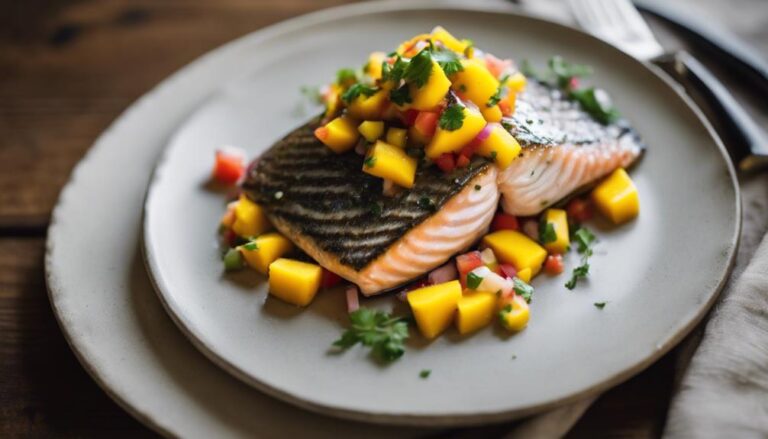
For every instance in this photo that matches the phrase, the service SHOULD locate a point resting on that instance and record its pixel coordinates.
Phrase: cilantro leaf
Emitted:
(424, 374)
(419, 68)
(522, 289)
(251, 246)
(346, 76)
(356, 90)
(377, 330)
(473, 281)
(448, 61)
(501, 92)
(547, 232)
(597, 103)
(452, 118)
(370, 162)
(600, 305)
(401, 95)
(579, 272)
(585, 240)
(393, 72)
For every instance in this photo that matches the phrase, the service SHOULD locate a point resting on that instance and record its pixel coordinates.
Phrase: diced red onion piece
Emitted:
(508, 270)
(443, 274)
(492, 282)
(531, 228)
(353, 300)
(484, 133)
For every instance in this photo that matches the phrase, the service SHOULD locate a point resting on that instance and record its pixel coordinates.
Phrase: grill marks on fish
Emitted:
(564, 150)
(326, 198)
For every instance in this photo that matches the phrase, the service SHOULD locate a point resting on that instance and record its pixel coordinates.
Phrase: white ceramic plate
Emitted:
(658, 274)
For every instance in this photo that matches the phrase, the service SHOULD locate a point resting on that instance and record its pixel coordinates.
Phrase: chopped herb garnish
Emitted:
(493, 155)
(522, 289)
(426, 203)
(233, 260)
(547, 232)
(448, 60)
(478, 187)
(251, 246)
(507, 125)
(473, 281)
(370, 162)
(600, 305)
(597, 103)
(585, 240)
(356, 90)
(500, 92)
(383, 333)
(394, 72)
(346, 76)
(452, 118)
(419, 68)
(401, 95)
(424, 374)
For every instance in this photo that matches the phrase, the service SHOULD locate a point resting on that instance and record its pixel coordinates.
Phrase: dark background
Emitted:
(67, 70)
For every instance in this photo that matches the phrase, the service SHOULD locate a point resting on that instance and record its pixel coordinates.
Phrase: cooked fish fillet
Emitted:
(338, 215)
(564, 149)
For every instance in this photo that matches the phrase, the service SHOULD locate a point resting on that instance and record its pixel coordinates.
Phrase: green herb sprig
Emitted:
(378, 330)
(585, 241)
(452, 118)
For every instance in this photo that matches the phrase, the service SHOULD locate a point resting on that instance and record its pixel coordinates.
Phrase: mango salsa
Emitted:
(332, 100)
(525, 275)
(391, 163)
(396, 136)
(371, 130)
(368, 107)
(491, 114)
(250, 219)
(434, 307)
(340, 134)
(450, 141)
(474, 311)
(516, 82)
(373, 68)
(513, 247)
(475, 82)
(501, 145)
(559, 221)
(440, 34)
(616, 197)
(264, 250)
(515, 315)
(293, 281)
(433, 92)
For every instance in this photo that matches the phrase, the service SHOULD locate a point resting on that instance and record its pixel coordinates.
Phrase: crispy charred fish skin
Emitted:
(326, 197)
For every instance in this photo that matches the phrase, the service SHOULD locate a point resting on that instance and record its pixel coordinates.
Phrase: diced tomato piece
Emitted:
(446, 162)
(462, 161)
(230, 237)
(508, 270)
(579, 210)
(554, 264)
(409, 117)
(504, 221)
(229, 167)
(505, 108)
(497, 66)
(329, 279)
(466, 263)
(470, 148)
(426, 123)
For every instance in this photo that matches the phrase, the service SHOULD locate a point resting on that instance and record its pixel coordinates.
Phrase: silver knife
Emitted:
(619, 23)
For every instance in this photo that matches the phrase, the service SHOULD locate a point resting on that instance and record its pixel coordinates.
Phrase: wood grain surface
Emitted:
(68, 69)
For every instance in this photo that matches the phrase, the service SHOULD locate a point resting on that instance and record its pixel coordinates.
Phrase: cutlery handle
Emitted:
(749, 146)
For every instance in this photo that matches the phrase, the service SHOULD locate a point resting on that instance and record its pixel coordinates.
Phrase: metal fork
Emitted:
(619, 23)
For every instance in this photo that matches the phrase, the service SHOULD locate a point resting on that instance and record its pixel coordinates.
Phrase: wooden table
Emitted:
(68, 69)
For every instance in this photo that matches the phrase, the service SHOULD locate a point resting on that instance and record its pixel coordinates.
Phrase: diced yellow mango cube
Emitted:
(408, 45)
(515, 316)
(525, 275)
(293, 281)
(264, 250)
(250, 219)
(371, 130)
(500, 145)
(391, 163)
(440, 34)
(516, 82)
(559, 220)
(449, 141)
(368, 107)
(373, 68)
(332, 100)
(474, 311)
(432, 92)
(340, 134)
(491, 114)
(434, 307)
(513, 247)
(475, 82)
(396, 136)
(617, 198)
